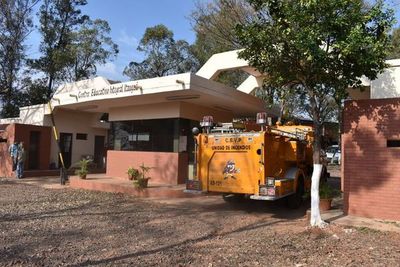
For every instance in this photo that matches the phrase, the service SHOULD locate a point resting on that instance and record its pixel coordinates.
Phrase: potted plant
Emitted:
(83, 168)
(326, 194)
(133, 173)
(142, 180)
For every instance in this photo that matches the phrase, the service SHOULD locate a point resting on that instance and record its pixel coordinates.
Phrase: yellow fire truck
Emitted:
(270, 164)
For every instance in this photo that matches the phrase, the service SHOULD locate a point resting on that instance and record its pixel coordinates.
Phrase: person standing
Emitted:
(12, 150)
(21, 155)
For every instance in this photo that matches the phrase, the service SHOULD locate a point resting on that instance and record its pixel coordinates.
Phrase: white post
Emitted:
(315, 219)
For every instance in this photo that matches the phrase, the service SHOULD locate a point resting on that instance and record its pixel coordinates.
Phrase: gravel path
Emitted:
(49, 227)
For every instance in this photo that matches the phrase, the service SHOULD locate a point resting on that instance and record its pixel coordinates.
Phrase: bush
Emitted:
(326, 191)
(83, 168)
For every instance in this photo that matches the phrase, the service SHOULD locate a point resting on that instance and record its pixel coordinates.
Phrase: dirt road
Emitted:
(44, 227)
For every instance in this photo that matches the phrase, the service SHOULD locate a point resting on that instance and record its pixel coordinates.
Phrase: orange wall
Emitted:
(167, 167)
(5, 162)
(21, 132)
(370, 169)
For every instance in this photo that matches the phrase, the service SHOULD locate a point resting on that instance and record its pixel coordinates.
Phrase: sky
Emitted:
(129, 19)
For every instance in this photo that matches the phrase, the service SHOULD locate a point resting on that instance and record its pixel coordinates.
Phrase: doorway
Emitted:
(99, 151)
(33, 150)
(66, 148)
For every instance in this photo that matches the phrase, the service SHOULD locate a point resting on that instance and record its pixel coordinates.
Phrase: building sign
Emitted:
(106, 91)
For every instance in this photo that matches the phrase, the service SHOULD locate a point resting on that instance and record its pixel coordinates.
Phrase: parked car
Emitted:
(333, 154)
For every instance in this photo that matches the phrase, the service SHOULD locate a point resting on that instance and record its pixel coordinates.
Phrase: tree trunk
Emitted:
(315, 218)
(50, 88)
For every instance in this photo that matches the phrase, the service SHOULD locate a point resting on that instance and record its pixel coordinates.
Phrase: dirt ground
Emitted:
(49, 227)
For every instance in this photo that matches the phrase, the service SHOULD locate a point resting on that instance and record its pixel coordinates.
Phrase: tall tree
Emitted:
(321, 48)
(15, 26)
(395, 41)
(58, 21)
(92, 45)
(163, 55)
(214, 23)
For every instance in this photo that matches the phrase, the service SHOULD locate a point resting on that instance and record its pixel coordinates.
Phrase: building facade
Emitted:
(149, 121)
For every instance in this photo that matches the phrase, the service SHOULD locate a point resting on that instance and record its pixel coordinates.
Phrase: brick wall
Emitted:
(370, 169)
(167, 167)
(21, 132)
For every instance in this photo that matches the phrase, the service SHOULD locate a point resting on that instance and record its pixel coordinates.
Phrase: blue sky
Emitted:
(128, 20)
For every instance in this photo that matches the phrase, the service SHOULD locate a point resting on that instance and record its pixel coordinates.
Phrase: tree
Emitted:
(214, 24)
(58, 21)
(320, 48)
(163, 55)
(91, 45)
(395, 41)
(15, 26)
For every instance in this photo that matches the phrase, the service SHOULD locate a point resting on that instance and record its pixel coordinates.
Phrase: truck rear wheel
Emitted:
(294, 201)
(231, 198)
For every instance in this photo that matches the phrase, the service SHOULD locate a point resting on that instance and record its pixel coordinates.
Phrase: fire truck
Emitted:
(269, 164)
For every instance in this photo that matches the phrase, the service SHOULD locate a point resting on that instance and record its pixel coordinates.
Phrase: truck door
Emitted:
(234, 164)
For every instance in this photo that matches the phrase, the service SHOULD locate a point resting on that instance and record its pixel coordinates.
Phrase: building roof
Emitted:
(97, 95)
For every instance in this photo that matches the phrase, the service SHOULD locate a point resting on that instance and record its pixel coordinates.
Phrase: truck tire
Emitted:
(232, 198)
(294, 201)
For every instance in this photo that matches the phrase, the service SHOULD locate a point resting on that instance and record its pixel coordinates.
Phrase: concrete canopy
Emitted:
(188, 88)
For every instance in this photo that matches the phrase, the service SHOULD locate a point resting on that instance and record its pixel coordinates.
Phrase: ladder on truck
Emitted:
(299, 134)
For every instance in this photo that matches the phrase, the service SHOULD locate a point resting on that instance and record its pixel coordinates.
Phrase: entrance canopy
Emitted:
(102, 96)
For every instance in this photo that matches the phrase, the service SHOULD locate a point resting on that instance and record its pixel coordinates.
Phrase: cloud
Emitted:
(126, 40)
(110, 71)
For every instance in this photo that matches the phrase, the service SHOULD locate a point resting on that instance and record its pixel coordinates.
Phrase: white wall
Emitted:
(68, 121)
(167, 110)
(387, 85)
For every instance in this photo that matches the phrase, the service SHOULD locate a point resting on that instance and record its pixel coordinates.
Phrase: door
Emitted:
(99, 151)
(66, 148)
(33, 150)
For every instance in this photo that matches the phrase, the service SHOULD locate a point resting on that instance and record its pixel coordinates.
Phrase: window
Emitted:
(159, 135)
(81, 136)
(393, 143)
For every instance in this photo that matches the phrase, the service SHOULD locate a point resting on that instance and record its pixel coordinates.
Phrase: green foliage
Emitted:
(314, 43)
(326, 191)
(58, 21)
(83, 168)
(91, 45)
(318, 48)
(15, 26)
(133, 173)
(214, 24)
(144, 170)
(142, 179)
(163, 55)
(72, 44)
(395, 43)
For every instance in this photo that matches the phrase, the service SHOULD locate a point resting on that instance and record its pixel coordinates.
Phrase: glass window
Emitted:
(81, 136)
(162, 135)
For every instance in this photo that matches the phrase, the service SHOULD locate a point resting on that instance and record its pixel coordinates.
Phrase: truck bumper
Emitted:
(269, 198)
